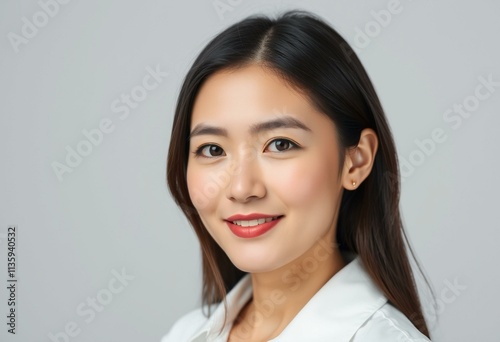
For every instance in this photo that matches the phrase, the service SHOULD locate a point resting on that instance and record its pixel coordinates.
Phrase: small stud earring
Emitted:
(353, 183)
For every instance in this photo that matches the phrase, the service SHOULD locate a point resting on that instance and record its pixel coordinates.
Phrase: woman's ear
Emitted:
(359, 160)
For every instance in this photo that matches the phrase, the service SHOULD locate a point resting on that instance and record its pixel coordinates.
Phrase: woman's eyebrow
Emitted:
(281, 122)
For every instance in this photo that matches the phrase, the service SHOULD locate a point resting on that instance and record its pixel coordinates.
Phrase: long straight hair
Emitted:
(309, 54)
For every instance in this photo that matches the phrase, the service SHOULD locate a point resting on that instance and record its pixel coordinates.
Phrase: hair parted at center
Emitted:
(309, 54)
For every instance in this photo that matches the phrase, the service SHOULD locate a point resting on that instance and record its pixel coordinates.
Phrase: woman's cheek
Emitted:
(299, 182)
(198, 188)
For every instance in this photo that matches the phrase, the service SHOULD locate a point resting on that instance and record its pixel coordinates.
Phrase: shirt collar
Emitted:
(335, 312)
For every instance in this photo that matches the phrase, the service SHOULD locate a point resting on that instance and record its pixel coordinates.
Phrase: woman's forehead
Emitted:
(250, 94)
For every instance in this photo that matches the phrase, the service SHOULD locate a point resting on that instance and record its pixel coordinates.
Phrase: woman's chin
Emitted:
(254, 263)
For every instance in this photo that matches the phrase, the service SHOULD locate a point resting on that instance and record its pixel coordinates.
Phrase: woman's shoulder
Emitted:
(389, 324)
(186, 326)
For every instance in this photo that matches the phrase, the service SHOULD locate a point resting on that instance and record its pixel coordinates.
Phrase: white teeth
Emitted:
(249, 223)
(252, 223)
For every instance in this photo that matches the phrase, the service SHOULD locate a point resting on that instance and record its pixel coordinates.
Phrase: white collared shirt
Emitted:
(349, 307)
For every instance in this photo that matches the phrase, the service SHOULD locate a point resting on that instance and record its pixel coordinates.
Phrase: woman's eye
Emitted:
(282, 145)
(210, 151)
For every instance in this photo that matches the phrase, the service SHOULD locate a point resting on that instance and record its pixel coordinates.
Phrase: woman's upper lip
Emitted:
(252, 216)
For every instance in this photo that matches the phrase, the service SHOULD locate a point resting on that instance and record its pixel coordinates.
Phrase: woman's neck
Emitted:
(278, 296)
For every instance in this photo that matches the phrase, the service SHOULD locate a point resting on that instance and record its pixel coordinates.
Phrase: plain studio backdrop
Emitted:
(88, 91)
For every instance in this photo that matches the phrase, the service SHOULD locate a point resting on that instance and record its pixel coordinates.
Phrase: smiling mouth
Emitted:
(256, 222)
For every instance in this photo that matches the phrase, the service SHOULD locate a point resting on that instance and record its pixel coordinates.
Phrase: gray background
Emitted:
(113, 212)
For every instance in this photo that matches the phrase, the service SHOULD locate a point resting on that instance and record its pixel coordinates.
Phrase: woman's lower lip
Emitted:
(254, 231)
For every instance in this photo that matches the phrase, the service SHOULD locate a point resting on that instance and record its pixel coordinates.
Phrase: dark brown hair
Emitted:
(308, 53)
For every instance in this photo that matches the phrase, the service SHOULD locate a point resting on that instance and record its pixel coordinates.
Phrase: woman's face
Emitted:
(289, 168)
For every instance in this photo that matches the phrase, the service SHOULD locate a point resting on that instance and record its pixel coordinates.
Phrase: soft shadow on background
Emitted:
(88, 90)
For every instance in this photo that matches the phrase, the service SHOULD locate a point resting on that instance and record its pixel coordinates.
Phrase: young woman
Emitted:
(282, 160)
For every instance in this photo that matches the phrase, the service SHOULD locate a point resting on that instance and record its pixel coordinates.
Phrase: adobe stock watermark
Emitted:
(121, 106)
(219, 180)
(30, 27)
(222, 7)
(88, 309)
(449, 293)
(381, 19)
(454, 116)
(293, 279)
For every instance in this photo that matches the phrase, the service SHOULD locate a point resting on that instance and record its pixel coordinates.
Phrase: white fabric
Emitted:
(349, 307)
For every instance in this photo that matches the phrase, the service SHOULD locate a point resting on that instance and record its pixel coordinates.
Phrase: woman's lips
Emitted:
(253, 231)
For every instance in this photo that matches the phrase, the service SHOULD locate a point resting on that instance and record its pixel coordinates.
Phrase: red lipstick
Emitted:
(251, 231)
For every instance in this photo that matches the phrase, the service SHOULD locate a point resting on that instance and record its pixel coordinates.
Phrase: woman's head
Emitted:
(298, 70)
(289, 167)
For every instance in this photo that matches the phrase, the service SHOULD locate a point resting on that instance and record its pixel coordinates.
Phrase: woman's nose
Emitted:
(245, 180)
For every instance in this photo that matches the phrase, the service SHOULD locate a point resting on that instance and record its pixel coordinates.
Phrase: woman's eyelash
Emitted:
(198, 152)
(293, 144)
